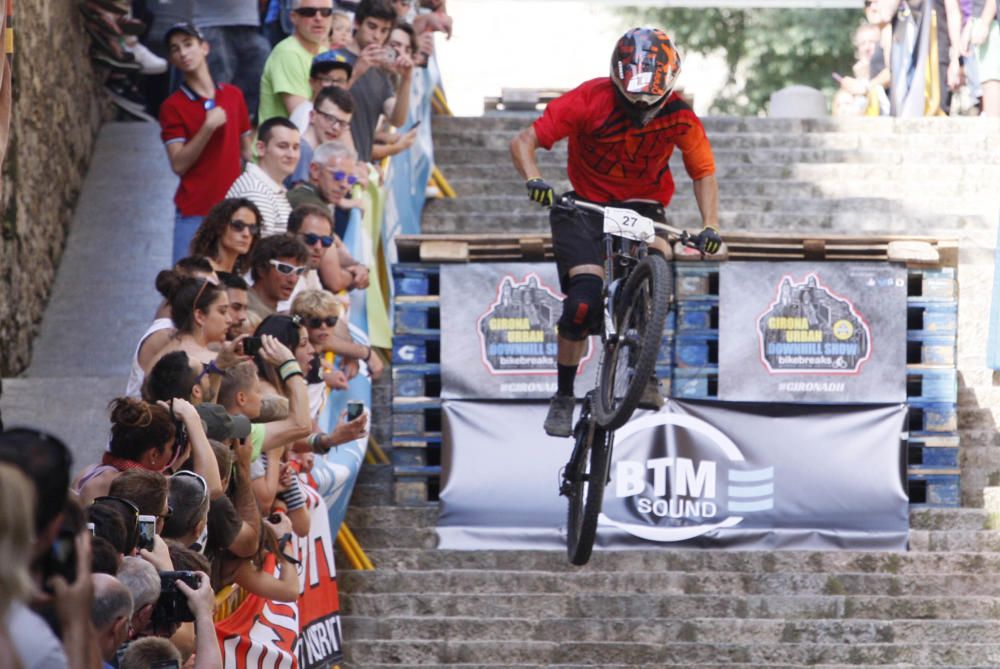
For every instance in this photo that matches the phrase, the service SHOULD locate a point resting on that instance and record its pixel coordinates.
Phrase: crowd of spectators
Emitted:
(276, 121)
(924, 58)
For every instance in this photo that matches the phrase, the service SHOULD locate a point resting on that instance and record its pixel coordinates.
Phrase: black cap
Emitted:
(185, 27)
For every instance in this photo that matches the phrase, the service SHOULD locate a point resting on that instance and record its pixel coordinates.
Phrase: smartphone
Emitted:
(147, 530)
(251, 345)
(415, 125)
(391, 55)
(61, 558)
(92, 528)
(354, 409)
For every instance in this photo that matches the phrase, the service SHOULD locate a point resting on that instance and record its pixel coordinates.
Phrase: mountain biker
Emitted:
(622, 130)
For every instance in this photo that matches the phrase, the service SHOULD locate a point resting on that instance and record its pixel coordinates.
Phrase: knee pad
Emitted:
(582, 309)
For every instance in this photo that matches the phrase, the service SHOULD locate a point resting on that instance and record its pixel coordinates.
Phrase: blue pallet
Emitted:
(932, 418)
(416, 380)
(931, 385)
(696, 280)
(931, 453)
(933, 284)
(934, 489)
(927, 318)
(416, 349)
(925, 349)
(696, 349)
(697, 315)
(695, 384)
(414, 278)
(665, 356)
(420, 318)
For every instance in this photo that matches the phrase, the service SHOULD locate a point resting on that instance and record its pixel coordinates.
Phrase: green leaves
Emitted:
(766, 49)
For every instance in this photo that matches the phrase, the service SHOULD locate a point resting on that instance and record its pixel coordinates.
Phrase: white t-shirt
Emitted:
(136, 376)
(300, 116)
(36, 645)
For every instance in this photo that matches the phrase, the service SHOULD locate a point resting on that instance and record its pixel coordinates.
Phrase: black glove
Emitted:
(540, 192)
(708, 240)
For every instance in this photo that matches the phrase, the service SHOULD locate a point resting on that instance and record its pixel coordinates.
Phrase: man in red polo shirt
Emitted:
(622, 130)
(205, 128)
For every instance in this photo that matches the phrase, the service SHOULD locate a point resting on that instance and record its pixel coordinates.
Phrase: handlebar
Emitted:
(683, 236)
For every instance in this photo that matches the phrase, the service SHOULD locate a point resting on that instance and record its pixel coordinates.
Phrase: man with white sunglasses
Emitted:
(276, 265)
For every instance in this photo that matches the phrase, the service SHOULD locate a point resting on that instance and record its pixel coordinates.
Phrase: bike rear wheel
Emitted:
(629, 360)
(586, 475)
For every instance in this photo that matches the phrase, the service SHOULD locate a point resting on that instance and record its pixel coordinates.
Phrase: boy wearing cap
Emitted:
(205, 128)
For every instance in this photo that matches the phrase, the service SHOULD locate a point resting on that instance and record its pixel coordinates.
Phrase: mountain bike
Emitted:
(638, 290)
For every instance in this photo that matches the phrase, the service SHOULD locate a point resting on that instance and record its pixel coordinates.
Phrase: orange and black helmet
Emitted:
(644, 69)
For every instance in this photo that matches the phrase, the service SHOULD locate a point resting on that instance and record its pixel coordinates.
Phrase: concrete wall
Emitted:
(57, 111)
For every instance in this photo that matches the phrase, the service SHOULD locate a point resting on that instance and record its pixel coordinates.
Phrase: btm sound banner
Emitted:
(812, 332)
(695, 474)
(498, 332)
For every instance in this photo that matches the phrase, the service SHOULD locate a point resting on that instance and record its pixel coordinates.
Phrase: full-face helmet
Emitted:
(644, 69)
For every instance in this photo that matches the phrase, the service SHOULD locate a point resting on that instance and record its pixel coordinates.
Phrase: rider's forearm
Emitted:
(706, 194)
(522, 152)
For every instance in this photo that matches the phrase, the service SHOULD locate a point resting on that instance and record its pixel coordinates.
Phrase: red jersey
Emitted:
(610, 158)
(181, 115)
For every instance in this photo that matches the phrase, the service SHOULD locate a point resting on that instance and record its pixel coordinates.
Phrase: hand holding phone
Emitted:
(251, 346)
(354, 409)
(147, 531)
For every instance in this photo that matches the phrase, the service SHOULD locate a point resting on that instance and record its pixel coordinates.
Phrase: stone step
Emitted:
(517, 203)
(693, 654)
(907, 128)
(427, 516)
(373, 487)
(901, 222)
(655, 605)
(668, 583)
(474, 187)
(911, 563)
(464, 156)
(972, 143)
(669, 629)
(946, 174)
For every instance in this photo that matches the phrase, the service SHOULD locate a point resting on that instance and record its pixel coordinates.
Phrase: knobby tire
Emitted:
(640, 316)
(586, 493)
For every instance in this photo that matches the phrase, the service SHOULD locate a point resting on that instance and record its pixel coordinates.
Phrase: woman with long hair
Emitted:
(228, 234)
(200, 312)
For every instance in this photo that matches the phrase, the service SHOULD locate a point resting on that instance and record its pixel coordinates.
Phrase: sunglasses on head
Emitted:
(329, 321)
(339, 175)
(240, 226)
(198, 477)
(287, 269)
(310, 12)
(123, 505)
(310, 239)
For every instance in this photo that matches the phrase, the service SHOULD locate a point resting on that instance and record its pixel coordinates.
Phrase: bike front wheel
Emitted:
(586, 476)
(629, 358)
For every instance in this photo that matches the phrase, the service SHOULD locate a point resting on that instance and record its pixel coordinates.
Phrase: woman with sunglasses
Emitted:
(227, 235)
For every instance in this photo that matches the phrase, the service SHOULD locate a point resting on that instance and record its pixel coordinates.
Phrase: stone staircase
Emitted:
(937, 605)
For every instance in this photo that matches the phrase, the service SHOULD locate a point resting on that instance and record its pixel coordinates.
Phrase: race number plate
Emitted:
(628, 224)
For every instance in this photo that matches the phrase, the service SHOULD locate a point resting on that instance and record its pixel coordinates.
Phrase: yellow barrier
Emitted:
(375, 455)
(442, 183)
(440, 104)
(228, 600)
(352, 549)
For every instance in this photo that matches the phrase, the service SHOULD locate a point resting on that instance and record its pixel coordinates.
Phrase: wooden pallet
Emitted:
(915, 251)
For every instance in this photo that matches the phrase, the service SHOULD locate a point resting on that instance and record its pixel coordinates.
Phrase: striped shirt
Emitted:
(269, 196)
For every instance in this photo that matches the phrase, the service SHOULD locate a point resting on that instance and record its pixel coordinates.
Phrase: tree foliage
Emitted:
(766, 49)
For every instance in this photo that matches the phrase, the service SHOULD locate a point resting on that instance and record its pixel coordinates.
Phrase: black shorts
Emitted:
(578, 235)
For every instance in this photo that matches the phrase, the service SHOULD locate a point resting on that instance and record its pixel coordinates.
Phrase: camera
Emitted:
(251, 346)
(172, 606)
(391, 55)
(354, 409)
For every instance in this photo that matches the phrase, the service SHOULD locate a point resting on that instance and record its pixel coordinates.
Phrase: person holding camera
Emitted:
(372, 85)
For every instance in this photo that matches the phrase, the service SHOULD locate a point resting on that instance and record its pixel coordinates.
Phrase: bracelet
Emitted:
(288, 377)
(369, 356)
(212, 368)
(287, 371)
(286, 362)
